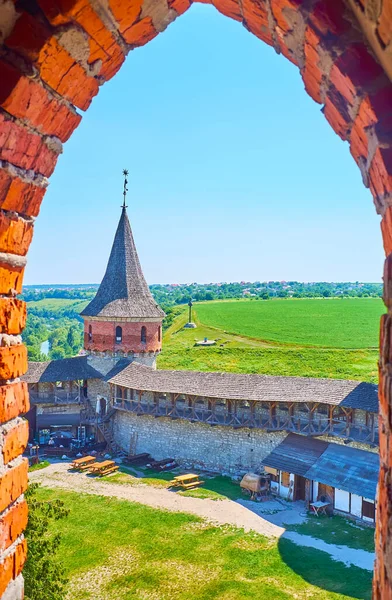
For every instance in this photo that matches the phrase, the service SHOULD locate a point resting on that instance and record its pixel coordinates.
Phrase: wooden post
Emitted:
(331, 411)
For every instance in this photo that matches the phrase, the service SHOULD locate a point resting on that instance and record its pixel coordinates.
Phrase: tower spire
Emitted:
(125, 173)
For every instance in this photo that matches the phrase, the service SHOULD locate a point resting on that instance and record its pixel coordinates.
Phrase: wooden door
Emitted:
(299, 488)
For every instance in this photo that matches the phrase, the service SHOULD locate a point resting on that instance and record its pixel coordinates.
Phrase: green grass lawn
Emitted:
(333, 323)
(240, 354)
(304, 362)
(38, 466)
(337, 530)
(117, 550)
(214, 488)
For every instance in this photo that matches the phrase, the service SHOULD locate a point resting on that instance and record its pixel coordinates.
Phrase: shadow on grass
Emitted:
(318, 568)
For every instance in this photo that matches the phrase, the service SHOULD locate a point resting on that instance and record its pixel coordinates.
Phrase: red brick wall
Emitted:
(56, 55)
(104, 337)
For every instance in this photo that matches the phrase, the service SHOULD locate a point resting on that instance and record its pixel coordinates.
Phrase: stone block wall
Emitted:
(221, 449)
(55, 56)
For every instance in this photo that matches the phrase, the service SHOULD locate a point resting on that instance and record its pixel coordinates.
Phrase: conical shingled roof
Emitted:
(124, 291)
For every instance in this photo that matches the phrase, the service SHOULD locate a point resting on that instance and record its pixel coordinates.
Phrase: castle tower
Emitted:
(123, 319)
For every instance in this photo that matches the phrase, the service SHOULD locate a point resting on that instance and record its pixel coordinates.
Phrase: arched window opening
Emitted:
(159, 333)
(143, 336)
(90, 333)
(118, 335)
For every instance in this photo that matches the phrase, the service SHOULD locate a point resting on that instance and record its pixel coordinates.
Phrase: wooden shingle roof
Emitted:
(123, 291)
(235, 386)
(65, 369)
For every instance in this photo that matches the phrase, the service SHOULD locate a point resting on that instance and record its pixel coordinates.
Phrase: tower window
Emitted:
(143, 336)
(90, 333)
(118, 335)
(159, 333)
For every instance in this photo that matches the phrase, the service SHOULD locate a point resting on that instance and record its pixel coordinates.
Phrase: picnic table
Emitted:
(83, 463)
(187, 481)
(319, 507)
(103, 468)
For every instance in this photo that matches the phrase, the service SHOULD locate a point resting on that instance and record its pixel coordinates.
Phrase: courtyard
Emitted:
(129, 537)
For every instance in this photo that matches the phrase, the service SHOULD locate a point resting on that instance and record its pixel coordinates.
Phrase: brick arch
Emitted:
(55, 56)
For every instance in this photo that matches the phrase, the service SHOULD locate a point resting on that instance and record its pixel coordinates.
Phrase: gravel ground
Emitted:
(267, 518)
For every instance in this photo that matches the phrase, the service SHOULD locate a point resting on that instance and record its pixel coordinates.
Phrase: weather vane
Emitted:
(125, 173)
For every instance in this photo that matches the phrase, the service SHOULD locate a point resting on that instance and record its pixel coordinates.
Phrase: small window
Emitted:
(131, 394)
(159, 333)
(118, 335)
(368, 509)
(143, 335)
(285, 479)
(90, 333)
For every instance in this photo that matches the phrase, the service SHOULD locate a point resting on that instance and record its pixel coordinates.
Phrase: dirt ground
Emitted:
(267, 518)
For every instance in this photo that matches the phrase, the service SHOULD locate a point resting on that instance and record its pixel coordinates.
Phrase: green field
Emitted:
(58, 304)
(335, 338)
(334, 323)
(118, 550)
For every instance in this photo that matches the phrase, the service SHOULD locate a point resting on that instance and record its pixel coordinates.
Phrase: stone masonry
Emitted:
(55, 56)
(221, 449)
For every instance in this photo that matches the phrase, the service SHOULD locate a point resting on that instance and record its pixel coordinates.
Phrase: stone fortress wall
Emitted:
(220, 449)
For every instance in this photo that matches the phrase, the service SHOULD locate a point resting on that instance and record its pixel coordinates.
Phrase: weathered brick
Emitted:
(20, 557)
(380, 172)
(13, 523)
(12, 315)
(13, 483)
(386, 228)
(181, 6)
(14, 400)
(11, 277)
(385, 23)
(230, 8)
(13, 361)
(329, 17)
(28, 36)
(12, 565)
(283, 12)
(64, 75)
(336, 113)
(125, 13)
(104, 334)
(29, 100)
(19, 196)
(24, 149)
(102, 44)
(6, 572)
(142, 32)
(15, 234)
(311, 73)
(256, 20)
(354, 71)
(15, 441)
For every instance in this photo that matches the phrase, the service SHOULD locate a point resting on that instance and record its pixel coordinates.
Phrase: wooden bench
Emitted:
(187, 481)
(187, 486)
(85, 467)
(108, 471)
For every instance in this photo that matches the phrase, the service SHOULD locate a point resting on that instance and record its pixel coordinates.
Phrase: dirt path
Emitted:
(221, 512)
(243, 514)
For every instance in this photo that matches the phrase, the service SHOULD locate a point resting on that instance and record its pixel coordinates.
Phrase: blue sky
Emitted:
(234, 172)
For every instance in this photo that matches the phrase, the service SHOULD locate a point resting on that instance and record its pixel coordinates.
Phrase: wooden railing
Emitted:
(305, 423)
(55, 397)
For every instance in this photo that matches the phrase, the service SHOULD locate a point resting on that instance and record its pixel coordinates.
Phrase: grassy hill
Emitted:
(332, 323)
(58, 304)
(308, 338)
